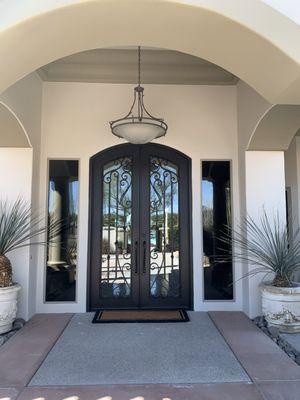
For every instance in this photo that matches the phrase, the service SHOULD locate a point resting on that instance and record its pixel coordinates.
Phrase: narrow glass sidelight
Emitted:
(216, 217)
(164, 229)
(116, 234)
(63, 193)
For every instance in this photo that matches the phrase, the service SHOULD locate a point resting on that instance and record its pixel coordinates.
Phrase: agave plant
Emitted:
(268, 245)
(20, 227)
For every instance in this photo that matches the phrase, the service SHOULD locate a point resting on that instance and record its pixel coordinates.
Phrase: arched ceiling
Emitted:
(12, 133)
(276, 128)
(254, 42)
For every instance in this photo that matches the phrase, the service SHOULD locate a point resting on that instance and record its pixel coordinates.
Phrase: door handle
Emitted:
(144, 256)
(136, 268)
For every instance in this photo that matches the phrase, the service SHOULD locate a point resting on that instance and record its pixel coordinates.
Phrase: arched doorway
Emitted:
(197, 19)
(140, 228)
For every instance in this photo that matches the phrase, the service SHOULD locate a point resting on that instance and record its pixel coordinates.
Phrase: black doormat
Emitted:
(120, 316)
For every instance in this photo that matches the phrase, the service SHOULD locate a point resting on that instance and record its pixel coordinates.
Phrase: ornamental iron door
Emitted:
(140, 228)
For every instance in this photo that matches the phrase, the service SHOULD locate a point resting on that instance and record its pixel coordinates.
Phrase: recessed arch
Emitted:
(276, 128)
(232, 37)
(12, 131)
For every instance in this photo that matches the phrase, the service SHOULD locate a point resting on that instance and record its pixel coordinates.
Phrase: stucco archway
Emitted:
(276, 128)
(12, 131)
(243, 42)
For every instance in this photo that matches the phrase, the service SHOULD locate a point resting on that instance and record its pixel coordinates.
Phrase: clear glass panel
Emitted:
(164, 229)
(116, 249)
(62, 253)
(216, 216)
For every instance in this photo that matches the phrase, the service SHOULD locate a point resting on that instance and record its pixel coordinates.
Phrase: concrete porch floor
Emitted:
(273, 375)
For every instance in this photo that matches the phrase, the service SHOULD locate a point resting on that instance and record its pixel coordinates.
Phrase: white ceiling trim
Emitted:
(120, 66)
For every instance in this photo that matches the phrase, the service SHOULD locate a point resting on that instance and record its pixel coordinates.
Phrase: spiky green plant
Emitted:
(268, 245)
(20, 227)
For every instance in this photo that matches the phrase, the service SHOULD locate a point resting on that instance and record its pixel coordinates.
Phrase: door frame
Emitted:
(98, 160)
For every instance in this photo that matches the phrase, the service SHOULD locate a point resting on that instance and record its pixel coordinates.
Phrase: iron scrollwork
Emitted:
(116, 228)
(164, 227)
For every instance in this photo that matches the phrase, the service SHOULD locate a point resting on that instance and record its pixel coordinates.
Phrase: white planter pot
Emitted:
(281, 307)
(8, 307)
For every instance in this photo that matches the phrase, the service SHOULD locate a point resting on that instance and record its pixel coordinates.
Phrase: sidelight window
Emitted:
(63, 192)
(216, 217)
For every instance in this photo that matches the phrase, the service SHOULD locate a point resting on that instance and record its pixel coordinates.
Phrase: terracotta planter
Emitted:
(281, 306)
(8, 307)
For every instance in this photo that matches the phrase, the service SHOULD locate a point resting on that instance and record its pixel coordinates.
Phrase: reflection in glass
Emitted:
(216, 216)
(62, 253)
(164, 229)
(115, 278)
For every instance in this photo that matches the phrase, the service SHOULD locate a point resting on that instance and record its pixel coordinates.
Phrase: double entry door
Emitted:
(139, 228)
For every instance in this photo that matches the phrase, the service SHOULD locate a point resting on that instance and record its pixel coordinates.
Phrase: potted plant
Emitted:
(274, 251)
(19, 228)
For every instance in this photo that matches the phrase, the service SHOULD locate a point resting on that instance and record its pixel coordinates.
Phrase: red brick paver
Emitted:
(223, 391)
(21, 355)
(274, 374)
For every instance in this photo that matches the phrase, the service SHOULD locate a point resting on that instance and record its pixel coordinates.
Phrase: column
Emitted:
(265, 189)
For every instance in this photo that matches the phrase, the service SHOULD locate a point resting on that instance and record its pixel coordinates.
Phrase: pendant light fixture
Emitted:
(139, 126)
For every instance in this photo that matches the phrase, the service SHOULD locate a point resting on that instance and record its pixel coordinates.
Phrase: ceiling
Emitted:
(117, 65)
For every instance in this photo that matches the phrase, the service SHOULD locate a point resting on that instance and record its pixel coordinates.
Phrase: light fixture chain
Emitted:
(142, 127)
(139, 64)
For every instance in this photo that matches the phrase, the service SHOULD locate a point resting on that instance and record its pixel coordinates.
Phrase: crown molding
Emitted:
(120, 66)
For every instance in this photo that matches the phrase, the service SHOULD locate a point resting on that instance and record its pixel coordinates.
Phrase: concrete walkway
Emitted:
(274, 376)
(144, 353)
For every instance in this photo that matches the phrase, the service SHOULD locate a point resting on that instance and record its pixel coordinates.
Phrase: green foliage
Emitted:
(19, 227)
(268, 245)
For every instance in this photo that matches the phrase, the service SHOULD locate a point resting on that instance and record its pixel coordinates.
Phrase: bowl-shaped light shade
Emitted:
(140, 132)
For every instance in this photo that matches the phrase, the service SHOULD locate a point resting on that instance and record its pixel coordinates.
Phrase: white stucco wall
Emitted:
(25, 99)
(15, 181)
(250, 108)
(290, 8)
(265, 191)
(202, 124)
